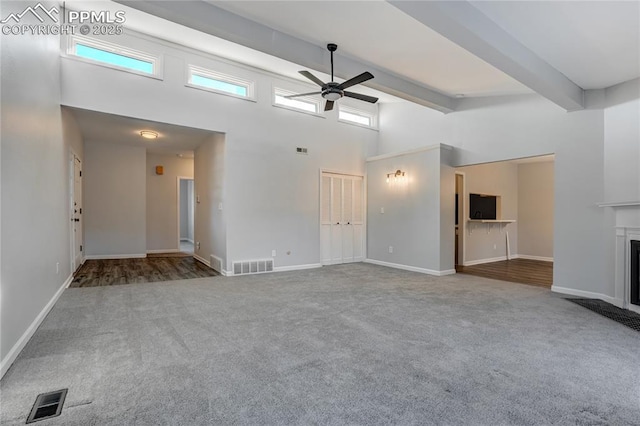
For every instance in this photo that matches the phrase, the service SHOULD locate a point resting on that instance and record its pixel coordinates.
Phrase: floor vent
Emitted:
(47, 405)
(215, 263)
(252, 267)
(623, 316)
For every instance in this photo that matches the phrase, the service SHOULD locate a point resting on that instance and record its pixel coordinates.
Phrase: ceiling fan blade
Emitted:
(302, 94)
(328, 106)
(312, 78)
(356, 80)
(360, 97)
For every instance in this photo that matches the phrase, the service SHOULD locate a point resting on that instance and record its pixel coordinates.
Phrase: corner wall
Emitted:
(406, 215)
(35, 242)
(508, 127)
(210, 224)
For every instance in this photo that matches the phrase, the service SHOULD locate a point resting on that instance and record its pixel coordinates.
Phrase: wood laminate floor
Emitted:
(524, 271)
(95, 273)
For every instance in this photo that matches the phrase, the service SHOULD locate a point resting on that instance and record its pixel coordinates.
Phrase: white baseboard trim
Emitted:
(201, 260)
(163, 251)
(529, 257)
(587, 294)
(115, 256)
(411, 268)
(296, 267)
(26, 336)
(489, 260)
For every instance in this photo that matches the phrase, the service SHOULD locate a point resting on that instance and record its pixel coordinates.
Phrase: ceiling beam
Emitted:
(469, 28)
(210, 19)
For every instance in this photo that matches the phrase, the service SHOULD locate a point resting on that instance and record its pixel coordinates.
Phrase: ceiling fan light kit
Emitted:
(333, 91)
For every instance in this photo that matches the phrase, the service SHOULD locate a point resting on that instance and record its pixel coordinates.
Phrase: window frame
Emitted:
(249, 85)
(155, 59)
(372, 116)
(279, 91)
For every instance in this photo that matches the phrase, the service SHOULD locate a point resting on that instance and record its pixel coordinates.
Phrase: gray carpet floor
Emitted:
(349, 344)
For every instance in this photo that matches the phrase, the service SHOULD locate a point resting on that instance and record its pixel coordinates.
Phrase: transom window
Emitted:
(356, 116)
(202, 78)
(114, 55)
(305, 103)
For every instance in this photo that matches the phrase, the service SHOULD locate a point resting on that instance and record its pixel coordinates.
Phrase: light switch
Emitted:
(381, 210)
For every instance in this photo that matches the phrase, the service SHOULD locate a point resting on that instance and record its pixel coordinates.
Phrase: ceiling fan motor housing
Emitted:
(331, 92)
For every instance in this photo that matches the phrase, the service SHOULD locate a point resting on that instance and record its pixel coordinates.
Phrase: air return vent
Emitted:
(252, 267)
(47, 405)
(215, 263)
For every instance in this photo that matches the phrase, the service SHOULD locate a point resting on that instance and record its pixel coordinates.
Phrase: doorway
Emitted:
(75, 210)
(186, 209)
(459, 212)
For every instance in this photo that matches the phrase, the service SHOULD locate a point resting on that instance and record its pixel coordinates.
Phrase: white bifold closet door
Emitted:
(342, 219)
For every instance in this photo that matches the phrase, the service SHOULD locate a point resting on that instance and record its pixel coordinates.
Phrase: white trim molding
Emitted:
(296, 267)
(587, 295)
(411, 268)
(529, 257)
(411, 151)
(8, 360)
(489, 260)
(115, 256)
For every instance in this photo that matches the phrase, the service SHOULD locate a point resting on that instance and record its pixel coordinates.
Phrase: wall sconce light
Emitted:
(398, 174)
(148, 134)
(159, 170)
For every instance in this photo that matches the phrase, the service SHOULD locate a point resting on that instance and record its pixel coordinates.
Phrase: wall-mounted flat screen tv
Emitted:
(482, 206)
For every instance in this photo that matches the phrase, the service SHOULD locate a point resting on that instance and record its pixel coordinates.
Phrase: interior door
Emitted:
(341, 219)
(336, 219)
(76, 216)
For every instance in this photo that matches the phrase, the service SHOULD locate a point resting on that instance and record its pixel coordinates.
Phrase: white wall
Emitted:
(271, 193)
(411, 219)
(35, 185)
(190, 210)
(507, 127)
(115, 200)
(184, 210)
(622, 142)
(210, 224)
(484, 242)
(535, 209)
(162, 200)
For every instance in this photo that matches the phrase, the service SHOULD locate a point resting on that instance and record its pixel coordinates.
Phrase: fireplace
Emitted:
(635, 272)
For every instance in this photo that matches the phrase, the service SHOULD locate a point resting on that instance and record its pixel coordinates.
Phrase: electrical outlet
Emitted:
(220, 206)
(273, 253)
(390, 249)
(197, 199)
(381, 210)
(198, 245)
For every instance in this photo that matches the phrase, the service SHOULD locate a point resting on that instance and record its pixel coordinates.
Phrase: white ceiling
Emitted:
(116, 129)
(596, 44)
(378, 33)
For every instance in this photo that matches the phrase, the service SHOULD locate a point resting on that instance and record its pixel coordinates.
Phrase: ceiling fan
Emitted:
(333, 91)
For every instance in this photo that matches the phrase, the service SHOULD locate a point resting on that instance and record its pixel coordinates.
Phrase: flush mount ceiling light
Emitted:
(148, 134)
